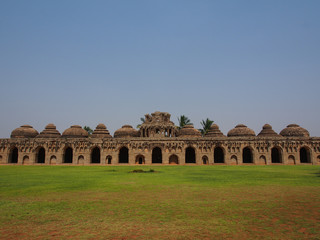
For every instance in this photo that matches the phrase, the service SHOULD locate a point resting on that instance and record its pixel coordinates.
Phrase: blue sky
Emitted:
(89, 62)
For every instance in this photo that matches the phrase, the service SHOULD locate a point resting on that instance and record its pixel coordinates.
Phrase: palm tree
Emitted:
(142, 121)
(88, 129)
(206, 124)
(183, 120)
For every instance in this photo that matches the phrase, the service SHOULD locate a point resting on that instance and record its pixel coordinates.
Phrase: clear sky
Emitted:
(87, 62)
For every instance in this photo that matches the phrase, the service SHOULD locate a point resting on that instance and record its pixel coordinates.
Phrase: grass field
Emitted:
(174, 202)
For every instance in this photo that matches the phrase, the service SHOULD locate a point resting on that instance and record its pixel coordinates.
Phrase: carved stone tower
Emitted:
(158, 125)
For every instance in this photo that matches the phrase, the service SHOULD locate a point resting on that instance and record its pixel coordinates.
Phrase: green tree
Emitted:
(88, 129)
(206, 124)
(183, 120)
(142, 121)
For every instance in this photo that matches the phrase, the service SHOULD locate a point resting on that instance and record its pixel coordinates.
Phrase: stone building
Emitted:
(159, 141)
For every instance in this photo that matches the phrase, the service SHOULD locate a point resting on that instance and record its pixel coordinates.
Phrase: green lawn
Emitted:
(174, 202)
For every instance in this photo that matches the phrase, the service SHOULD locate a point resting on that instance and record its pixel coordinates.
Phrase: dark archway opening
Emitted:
(68, 155)
(95, 155)
(247, 155)
(190, 155)
(173, 159)
(275, 155)
(304, 155)
(218, 155)
(156, 155)
(41, 156)
(124, 155)
(140, 159)
(13, 156)
(205, 160)
(109, 159)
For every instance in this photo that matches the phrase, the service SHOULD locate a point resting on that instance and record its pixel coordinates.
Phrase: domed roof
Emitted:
(189, 131)
(294, 130)
(50, 131)
(101, 132)
(241, 130)
(25, 131)
(214, 131)
(75, 131)
(267, 131)
(126, 131)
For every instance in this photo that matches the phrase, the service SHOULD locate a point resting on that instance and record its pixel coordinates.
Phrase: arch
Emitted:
(291, 159)
(304, 155)
(247, 156)
(318, 158)
(234, 159)
(156, 155)
(124, 155)
(95, 155)
(173, 159)
(276, 156)
(218, 155)
(140, 159)
(81, 160)
(53, 160)
(41, 155)
(68, 155)
(13, 155)
(109, 159)
(25, 160)
(190, 155)
(262, 159)
(205, 160)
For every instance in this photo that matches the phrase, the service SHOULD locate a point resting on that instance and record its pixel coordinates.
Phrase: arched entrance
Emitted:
(156, 155)
(291, 159)
(68, 155)
(173, 159)
(53, 160)
(109, 159)
(205, 160)
(304, 155)
(247, 155)
(95, 155)
(124, 155)
(140, 159)
(41, 155)
(218, 155)
(25, 160)
(190, 155)
(262, 160)
(13, 155)
(234, 159)
(276, 155)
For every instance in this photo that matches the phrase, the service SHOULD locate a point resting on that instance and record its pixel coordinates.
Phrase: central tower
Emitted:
(158, 125)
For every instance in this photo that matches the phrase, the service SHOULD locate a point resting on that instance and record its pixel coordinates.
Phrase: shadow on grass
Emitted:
(317, 174)
(143, 171)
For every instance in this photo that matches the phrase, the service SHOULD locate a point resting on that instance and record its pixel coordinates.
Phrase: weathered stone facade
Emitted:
(159, 141)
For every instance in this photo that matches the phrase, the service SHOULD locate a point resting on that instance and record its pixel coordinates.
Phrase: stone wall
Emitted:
(212, 151)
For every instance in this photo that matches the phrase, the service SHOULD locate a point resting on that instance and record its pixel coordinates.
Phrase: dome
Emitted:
(50, 131)
(294, 130)
(75, 131)
(267, 131)
(214, 131)
(241, 130)
(25, 131)
(126, 131)
(101, 132)
(189, 131)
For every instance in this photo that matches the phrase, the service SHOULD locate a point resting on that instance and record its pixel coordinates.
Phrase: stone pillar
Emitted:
(147, 156)
(165, 157)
